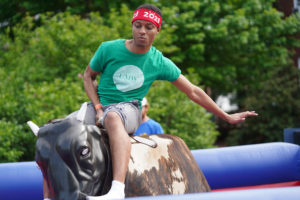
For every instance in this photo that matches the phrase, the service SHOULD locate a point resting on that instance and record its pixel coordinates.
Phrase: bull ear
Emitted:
(34, 128)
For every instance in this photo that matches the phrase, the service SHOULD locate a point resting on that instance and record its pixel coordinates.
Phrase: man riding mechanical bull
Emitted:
(128, 67)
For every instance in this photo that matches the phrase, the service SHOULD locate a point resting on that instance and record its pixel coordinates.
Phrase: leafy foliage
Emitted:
(12, 11)
(41, 71)
(278, 104)
(42, 67)
(232, 45)
(13, 141)
(235, 46)
(239, 46)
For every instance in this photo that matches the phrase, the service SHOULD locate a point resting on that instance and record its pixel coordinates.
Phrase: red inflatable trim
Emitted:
(274, 185)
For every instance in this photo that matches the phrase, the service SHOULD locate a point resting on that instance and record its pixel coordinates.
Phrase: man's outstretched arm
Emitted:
(197, 95)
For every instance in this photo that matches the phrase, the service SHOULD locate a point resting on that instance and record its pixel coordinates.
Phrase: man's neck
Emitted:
(131, 46)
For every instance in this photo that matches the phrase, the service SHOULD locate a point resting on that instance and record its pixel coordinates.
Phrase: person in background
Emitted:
(148, 125)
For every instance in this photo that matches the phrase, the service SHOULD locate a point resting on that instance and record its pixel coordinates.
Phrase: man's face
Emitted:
(144, 32)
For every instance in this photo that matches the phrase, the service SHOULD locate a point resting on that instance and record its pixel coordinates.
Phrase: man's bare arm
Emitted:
(89, 84)
(197, 95)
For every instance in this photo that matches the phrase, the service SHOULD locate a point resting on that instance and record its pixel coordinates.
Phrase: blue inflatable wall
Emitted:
(223, 168)
(20, 181)
(249, 165)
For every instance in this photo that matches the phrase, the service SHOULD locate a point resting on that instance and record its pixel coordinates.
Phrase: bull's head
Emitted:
(73, 157)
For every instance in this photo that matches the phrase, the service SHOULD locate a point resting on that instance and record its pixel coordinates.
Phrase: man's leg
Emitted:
(120, 147)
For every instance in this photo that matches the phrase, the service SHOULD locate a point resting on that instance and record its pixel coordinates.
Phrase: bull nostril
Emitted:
(84, 151)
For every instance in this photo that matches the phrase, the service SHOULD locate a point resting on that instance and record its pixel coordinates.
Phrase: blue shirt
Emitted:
(149, 127)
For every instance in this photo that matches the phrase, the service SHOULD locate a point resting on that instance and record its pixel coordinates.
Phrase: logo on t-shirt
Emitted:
(128, 77)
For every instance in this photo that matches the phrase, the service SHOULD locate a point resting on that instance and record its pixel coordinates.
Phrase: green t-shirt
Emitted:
(127, 76)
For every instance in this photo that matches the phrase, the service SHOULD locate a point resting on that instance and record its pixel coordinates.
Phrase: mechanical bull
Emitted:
(75, 161)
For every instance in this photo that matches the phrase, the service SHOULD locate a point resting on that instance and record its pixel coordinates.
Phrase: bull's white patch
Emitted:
(145, 157)
(178, 186)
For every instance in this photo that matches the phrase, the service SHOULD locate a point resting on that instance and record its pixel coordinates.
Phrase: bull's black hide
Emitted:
(75, 161)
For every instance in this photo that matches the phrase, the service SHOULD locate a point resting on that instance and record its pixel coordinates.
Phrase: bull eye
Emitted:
(84, 151)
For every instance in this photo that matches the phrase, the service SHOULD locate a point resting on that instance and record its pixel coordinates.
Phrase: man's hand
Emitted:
(99, 115)
(240, 117)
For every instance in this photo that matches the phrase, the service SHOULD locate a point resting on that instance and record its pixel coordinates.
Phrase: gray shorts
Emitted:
(129, 112)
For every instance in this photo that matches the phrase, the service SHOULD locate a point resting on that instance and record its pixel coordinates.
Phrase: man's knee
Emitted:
(112, 118)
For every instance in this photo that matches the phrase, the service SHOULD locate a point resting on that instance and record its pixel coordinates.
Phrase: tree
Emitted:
(12, 11)
(232, 45)
(235, 46)
(278, 105)
(41, 74)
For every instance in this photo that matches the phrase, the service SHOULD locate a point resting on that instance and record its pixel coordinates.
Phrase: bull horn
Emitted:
(82, 112)
(34, 128)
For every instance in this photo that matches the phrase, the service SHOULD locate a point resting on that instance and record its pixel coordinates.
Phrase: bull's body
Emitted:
(169, 168)
(75, 161)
